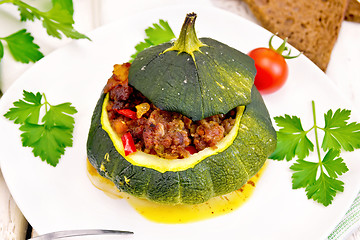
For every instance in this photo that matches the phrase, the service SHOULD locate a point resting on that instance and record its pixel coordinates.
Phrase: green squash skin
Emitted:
(215, 175)
(219, 80)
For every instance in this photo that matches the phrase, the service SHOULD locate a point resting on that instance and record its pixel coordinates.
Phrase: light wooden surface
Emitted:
(88, 15)
(13, 225)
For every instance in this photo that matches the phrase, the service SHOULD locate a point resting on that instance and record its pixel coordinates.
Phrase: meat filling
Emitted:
(166, 134)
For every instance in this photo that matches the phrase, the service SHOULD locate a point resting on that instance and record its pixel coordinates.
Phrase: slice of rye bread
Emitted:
(353, 11)
(310, 26)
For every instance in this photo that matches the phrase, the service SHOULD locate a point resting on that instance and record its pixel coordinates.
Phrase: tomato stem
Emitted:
(282, 48)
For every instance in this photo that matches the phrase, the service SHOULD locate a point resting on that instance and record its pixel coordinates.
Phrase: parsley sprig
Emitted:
(159, 33)
(57, 21)
(48, 133)
(319, 178)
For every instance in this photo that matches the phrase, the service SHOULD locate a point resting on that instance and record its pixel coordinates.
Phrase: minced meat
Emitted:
(166, 134)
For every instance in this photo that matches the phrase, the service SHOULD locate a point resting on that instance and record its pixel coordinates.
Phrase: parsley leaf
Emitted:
(27, 109)
(305, 173)
(292, 139)
(319, 178)
(25, 14)
(65, 4)
(1, 50)
(338, 133)
(324, 189)
(48, 141)
(49, 136)
(60, 19)
(22, 47)
(54, 29)
(157, 34)
(334, 166)
(60, 115)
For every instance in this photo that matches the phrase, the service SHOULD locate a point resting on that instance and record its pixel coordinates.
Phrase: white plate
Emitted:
(63, 198)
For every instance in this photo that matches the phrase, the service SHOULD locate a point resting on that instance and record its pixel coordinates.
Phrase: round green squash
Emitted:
(219, 173)
(208, 173)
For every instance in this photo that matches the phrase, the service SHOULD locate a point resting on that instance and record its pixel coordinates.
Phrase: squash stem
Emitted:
(187, 41)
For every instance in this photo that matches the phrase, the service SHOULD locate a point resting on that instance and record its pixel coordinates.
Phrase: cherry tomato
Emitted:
(272, 69)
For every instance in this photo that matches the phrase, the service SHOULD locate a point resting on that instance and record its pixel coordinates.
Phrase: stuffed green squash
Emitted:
(183, 123)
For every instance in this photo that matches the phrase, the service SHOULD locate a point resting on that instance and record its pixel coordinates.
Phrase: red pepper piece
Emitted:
(191, 149)
(128, 143)
(127, 113)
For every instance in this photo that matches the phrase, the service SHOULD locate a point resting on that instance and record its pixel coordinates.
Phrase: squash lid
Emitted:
(203, 73)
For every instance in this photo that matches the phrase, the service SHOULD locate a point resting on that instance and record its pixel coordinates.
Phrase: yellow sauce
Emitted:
(181, 213)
